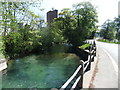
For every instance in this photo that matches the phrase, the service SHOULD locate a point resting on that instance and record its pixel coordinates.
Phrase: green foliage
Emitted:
(1, 48)
(84, 46)
(86, 18)
(19, 39)
(78, 24)
(22, 34)
(111, 29)
(117, 26)
(108, 30)
(19, 43)
(108, 41)
(57, 34)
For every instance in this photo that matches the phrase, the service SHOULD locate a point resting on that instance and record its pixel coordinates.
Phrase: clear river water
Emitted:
(40, 71)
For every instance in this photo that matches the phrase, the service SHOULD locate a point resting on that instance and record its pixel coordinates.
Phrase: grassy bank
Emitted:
(108, 41)
(84, 46)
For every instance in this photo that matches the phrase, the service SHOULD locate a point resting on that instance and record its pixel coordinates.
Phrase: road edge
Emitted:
(88, 76)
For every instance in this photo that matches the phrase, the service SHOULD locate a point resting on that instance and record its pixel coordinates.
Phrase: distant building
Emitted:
(51, 15)
(119, 8)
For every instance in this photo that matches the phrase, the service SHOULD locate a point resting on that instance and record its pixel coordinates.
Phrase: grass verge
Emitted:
(108, 41)
(85, 46)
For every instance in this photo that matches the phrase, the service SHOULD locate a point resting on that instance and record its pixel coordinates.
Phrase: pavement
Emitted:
(104, 69)
(111, 48)
(89, 74)
(105, 75)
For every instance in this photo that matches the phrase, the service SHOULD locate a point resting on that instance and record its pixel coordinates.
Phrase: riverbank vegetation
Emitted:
(85, 46)
(108, 41)
(23, 33)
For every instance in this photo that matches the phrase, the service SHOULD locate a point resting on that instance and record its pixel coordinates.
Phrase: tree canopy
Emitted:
(111, 29)
(23, 34)
(78, 24)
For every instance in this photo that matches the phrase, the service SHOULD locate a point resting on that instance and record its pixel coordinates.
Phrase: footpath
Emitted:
(102, 74)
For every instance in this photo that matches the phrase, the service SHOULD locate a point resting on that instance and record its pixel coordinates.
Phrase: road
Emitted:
(111, 48)
(106, 75)
(112, 51)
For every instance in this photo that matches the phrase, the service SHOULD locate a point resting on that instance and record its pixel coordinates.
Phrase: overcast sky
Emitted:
(107, 9)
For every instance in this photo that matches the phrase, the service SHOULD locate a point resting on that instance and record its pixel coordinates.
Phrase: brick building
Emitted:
(51, 15)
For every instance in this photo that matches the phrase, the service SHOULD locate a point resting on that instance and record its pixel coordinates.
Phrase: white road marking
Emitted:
(113, 62)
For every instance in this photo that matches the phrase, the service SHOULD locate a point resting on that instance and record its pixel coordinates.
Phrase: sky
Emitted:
(106, 9)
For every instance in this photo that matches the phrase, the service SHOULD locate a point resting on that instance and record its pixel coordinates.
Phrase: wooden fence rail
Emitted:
(76, 80)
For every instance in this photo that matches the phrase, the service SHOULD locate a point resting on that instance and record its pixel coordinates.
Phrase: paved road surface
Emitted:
(111, 48)
(106, 75)
(112, 51)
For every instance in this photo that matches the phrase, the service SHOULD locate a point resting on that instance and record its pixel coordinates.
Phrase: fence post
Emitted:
(95, 50)
(89, 59)
(89, 66)
(91, 52)
(94, 43)
(81, 73)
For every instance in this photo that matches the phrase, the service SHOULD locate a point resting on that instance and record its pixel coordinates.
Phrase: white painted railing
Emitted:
(77, 76)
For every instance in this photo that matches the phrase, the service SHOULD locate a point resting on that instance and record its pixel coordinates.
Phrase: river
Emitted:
(40, 71)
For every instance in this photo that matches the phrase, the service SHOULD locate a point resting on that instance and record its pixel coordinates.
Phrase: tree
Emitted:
(10, 12)
(117, 26)
(108, 30)
(68, 23)
(17, 32)
(22, 32)
(78, 24)
(86, 16)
